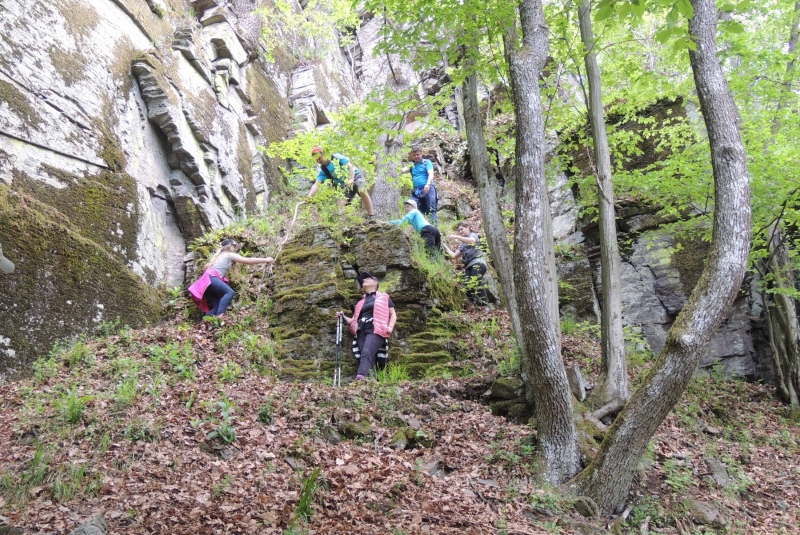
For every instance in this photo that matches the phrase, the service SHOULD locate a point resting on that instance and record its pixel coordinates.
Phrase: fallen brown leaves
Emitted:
(476, 479)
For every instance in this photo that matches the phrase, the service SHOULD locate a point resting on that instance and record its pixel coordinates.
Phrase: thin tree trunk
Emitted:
(613, 384)
(608, 478)
(782, 320)
(535, 278)
(491, 213)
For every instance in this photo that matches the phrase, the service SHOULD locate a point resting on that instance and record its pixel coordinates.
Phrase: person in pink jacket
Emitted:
(211, 292)
(372, 323)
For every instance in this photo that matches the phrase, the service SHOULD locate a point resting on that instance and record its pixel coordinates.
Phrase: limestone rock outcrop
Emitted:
(127, 129)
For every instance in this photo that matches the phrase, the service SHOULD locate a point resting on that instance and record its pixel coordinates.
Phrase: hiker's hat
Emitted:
(228, 241)
(366, 275)
(316, 150)
(412, 202)
(6, 265)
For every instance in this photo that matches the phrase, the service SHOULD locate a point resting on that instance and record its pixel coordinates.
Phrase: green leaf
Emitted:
(663, 35)
(672, 18)
(734, 27)
(728, 8)
(604, 10)
(685, 8)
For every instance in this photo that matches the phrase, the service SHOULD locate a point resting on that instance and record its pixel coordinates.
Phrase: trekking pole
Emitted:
(337, 363)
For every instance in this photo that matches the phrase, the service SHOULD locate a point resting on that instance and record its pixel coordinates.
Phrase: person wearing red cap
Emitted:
(371, 325)
(354, 184)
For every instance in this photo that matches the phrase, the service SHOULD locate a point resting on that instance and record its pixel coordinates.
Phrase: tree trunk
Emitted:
(608, 478)
(613, 384)
(535, 278)
(491, 213)
(782, 321)
(385, 195)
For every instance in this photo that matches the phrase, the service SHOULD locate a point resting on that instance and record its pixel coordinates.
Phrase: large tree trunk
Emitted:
(608, 478)
(613, 385)
(535, 279)
(491, 213)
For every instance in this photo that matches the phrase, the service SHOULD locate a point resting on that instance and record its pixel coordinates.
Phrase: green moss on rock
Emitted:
(70, 65)
(19, 105)
(64, 283)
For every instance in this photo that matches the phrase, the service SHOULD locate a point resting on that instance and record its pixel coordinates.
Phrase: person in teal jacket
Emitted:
(429, 233)
(344, 176)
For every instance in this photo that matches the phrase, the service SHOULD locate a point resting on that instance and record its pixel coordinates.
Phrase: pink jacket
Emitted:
(197, 289)
(380, 315)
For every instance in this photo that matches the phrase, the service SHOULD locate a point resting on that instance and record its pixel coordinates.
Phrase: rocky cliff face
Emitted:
(127, 128)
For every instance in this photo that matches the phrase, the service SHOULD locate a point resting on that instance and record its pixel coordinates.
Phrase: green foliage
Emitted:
(230, 372)
(179, 358)
(445, 291)
(266, 412)
(393, 374)
(510, 367)
(306, 35)
(224, 429)
(308, 488)
(75, 479)
(80, 354)
(126, 393)
(71, 406)
(15, 487)
(143, 430)
(678, 475)
(646, 507)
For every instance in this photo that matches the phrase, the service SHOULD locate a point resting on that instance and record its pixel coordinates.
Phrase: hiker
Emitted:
(422, 181)
(355, 183)
(371, 325)
(474, 262)
(211, 292)
(429, 233)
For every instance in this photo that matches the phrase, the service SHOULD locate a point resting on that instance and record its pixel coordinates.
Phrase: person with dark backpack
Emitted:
(344, 176)
(424, 193)
(474, 262)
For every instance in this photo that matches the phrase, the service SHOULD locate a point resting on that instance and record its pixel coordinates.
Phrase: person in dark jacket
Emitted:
(372, 323)
(474, 262)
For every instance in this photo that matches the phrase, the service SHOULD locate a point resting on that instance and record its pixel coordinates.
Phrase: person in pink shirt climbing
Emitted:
(211, 292)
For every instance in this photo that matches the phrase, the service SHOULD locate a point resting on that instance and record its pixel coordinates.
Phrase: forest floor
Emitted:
(188, 427)
(185, 428)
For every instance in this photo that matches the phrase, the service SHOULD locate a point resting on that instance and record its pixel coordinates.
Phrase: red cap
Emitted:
(316, 150)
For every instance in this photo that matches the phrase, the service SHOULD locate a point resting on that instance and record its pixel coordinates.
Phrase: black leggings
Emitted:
(368, 346)
(476, 289)
(432, 238)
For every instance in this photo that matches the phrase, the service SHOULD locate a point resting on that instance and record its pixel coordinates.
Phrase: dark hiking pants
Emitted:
(476, 289)
(432, 238)
(368, 346)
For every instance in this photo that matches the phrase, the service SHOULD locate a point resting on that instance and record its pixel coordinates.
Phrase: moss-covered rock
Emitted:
(407, 438)
(310, 286)
(65, 281)
(355, 429)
